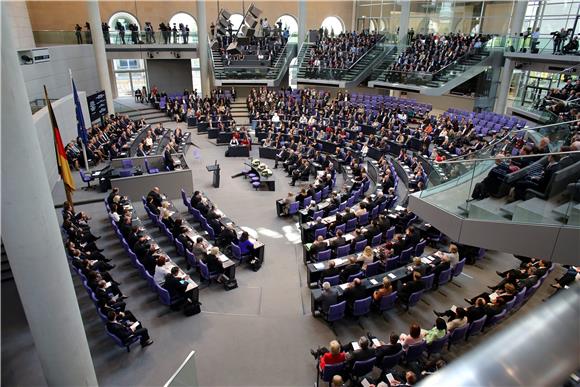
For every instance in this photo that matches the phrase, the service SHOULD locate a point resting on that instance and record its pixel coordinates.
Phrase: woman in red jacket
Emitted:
(336, 355)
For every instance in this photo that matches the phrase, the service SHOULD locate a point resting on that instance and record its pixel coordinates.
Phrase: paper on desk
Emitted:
(355, 346)
(222, 258)
(376, 342)
(425, 260)
(190, 286)
(373, 281)
(392, 276)
(399, 208)
(343, 286)
(319, 265)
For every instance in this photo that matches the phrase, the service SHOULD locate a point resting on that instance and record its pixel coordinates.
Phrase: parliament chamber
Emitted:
(387, 192)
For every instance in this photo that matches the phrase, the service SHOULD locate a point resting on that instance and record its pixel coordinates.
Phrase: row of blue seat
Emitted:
(416, 351)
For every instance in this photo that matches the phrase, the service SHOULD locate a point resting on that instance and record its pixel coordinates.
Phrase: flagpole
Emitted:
(67, 189)
(87, 166)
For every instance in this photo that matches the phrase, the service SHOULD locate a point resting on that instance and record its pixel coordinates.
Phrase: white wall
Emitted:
(54, 74)
(22, 33)
(64, 111)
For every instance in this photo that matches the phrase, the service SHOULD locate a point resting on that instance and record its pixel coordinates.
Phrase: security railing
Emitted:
(48, 38)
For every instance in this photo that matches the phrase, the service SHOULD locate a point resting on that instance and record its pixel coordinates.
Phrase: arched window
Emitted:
(236, 19)
(333, 24)
(185, 19)
(289, 22)
(125, 18)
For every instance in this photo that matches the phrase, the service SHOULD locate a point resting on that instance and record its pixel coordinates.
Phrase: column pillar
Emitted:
(100, 53)
(504, 86)
(202, 47)
(518, 15)
(301, 22)
(404, 25)
(32, 238)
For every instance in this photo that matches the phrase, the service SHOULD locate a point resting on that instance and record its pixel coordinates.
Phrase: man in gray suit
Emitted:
(328, 297)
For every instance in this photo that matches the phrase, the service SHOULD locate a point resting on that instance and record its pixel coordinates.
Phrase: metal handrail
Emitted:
(501, 157)
(507, 136)
(359, 59)
(432, 75)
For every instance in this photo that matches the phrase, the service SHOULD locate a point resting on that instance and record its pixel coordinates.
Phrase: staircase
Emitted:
(150, 115)
(342, 78)
(239, 112)
(440, 82)
(6, 271)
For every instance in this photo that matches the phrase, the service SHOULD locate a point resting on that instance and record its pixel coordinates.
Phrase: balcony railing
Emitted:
(50, 38)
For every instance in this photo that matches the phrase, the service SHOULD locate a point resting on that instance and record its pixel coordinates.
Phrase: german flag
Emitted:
(61, 159)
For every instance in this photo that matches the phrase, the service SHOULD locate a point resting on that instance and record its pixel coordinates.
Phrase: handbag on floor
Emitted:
(191, 308)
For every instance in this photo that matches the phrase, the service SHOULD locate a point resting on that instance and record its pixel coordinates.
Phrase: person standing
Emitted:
(88, 37)
(106, 33)
(119, 27)
(78, 30)
(174, 33)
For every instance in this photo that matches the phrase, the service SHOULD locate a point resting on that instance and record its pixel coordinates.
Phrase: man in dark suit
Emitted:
(354, 292)
(411, 237)
(141, 247)
(124, 330)
(156, 196)
(150, 259)
(411, 287)
(384, 223)
(358, 236)
(177, 287)
(365, 352)
(227, 236)
(331, 271)
(167, 159)
(327, 298)
(337, 241)
(352, 268)
(348, 215)
(390, 349)
(372, 230)
(317, 246)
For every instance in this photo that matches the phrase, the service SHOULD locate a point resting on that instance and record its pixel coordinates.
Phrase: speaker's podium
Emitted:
(215, 168)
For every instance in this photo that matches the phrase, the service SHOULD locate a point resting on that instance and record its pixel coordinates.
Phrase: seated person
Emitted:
(410, 287)
(161, 270)
(459, 321)
(572, 275)
(354, 292)
(410, 380)
(420, 267)
(337, 241)
(385, 290)
(177, 286)
(437, 332)
(333, 355)
(474, 312)
(286, 203)
(246, 247)
(331, 271)
(538, 183)
(318, 246)
(352, 268)
(368, 256)
(125, 329)
(212, 261)
(413, 337)
(390, 349)
(327, 298)
(365, 352)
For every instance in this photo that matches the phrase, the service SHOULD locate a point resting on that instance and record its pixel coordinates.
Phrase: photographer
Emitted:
(559, 37)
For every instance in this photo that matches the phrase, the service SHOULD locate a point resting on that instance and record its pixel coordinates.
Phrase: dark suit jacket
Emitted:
(174, 286)
(387, 350)
(362, 355)
(349, 270)
(327, 298)
(411, 240)
(120, 330)
(475, 313)
(337, 242)
(352, 294)
(409, 288)
(330, 272)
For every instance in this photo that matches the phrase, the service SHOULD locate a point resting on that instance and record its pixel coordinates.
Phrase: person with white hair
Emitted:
(328, 297)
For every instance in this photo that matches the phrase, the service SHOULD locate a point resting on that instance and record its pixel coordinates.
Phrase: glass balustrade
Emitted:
(511, 189)
(51, 38)
(343, 74)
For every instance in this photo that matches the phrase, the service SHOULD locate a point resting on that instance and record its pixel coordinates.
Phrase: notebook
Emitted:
(373, 281)
(392, 276)
(355, 346)
(319, 265)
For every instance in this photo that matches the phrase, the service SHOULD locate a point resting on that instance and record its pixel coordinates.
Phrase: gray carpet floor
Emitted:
(257, 335)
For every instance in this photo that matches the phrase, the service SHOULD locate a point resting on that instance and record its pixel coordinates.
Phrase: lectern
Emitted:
(216, 173)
